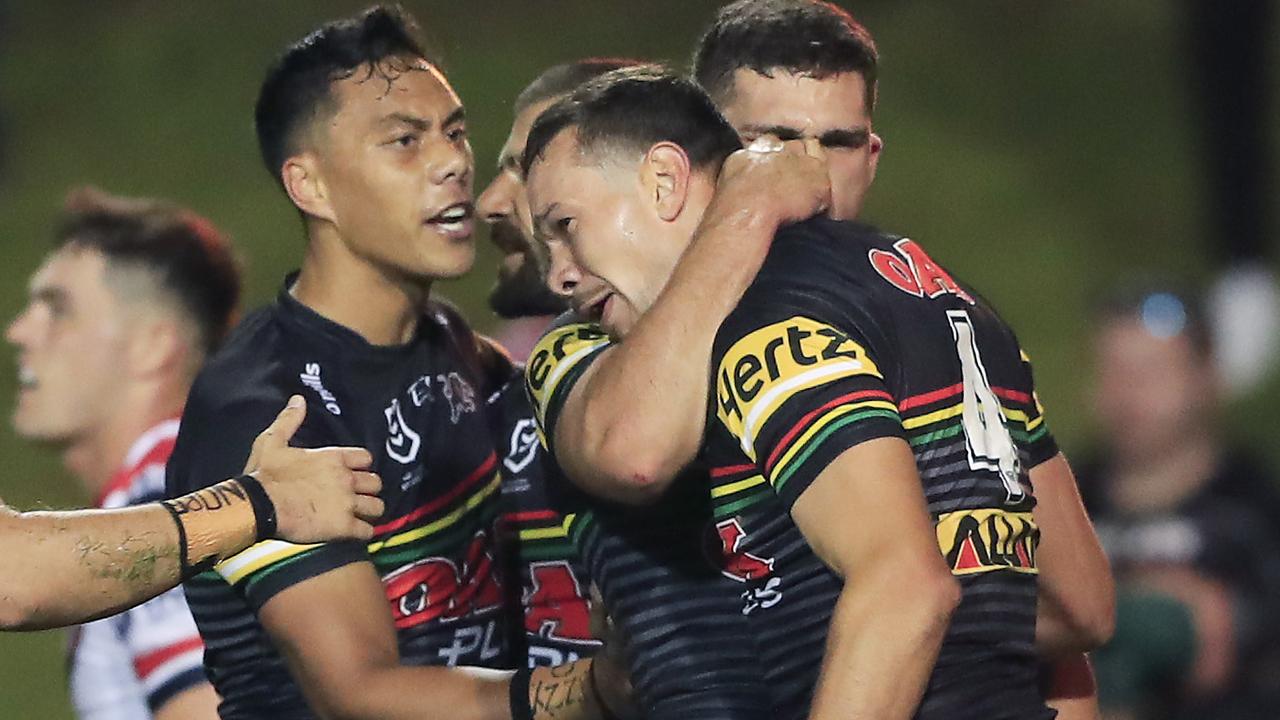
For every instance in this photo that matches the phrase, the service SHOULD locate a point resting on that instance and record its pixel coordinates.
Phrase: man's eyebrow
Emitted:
(782, 132)
(510, 161)
(845, 137)
(48, 294)
(422, 124)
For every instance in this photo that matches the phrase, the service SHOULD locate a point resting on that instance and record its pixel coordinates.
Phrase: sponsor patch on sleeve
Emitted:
(764, 369)
(558, 358)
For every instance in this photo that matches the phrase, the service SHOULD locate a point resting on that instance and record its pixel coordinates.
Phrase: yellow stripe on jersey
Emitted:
(437, 525)
(818, 425)
(554, 356)
(769, 366)
(551, 532)
(268, 552)
(1012, 414)
(720, 491)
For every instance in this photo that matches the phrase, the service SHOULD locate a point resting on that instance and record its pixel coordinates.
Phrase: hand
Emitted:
(320, 495)
(786, 180)
(609, 672)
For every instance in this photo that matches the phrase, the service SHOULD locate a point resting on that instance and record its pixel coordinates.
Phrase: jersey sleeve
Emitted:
(1027, 424)
(556, 363)
(796, 391)
(213, 444)
(164, 646)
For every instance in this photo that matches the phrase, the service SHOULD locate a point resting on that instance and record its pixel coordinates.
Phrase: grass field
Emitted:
(1041, 150)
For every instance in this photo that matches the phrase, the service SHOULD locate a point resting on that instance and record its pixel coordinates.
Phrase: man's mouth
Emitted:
(595, 309)
(26, 378)
(454, 221)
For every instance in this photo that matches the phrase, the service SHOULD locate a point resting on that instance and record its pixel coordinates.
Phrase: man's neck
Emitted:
(98, 456)
(357, 295)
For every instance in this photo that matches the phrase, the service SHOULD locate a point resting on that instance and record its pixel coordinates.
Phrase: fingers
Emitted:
(813, 148)
(369, 508)
(766, 144)
(356, 458)
(281, 430)
(367, 483)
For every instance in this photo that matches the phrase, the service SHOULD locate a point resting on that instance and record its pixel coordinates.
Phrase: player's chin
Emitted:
(446, 261)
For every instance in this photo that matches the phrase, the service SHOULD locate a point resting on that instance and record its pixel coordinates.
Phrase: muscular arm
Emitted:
(62, 568)
(336, 634)
(635, 417)
(889, 623)
(1076, 603)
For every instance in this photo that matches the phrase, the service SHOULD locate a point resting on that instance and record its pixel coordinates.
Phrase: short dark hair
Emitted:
(297, 87)
(1165, 309)
(185, 255)
(632, 109)
(562, 79)
(807, 37)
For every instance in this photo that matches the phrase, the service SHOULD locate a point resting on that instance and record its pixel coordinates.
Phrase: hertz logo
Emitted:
(978, 541)
(764, 369)
(558, 345)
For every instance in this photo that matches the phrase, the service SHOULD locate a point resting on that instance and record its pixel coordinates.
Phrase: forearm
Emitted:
(61, 568)
(881, 648)
(637, 419)
(558, 693)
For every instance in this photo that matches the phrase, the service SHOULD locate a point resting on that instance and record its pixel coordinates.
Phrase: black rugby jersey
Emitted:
(551, 616)
(677, 613)
(417, 409)
(846, 335)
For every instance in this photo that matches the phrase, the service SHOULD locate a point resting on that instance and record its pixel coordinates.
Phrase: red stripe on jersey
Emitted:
(473, 479)
(531, 515)
(731, 470)
(157, 455)
(930, 397)
(804, 421)
(146, 664)
(1014, 395)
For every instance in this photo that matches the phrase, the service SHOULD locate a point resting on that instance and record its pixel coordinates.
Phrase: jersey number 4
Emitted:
(988, 440)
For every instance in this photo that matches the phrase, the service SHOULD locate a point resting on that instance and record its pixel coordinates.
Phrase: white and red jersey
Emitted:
(125, 666)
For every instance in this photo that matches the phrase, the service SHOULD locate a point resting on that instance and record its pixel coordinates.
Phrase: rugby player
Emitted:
(131, 296)
(369, 142)
(562, 202)
(688, 658)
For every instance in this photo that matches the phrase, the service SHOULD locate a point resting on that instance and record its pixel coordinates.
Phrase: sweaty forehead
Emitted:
(797, 101)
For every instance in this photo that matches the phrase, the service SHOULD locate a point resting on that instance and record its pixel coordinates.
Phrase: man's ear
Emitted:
(666, 172)
(305, 185)
(874, 145)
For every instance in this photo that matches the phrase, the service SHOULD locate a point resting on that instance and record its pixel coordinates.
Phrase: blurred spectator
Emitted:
(1227, 48)
(1187, 520)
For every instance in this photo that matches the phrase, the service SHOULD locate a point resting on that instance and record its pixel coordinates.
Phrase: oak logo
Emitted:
(912, 271)
(988, 539)
(764, 369)
(437, 588)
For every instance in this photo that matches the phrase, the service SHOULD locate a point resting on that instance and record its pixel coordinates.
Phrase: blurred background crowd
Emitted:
(1105, 173)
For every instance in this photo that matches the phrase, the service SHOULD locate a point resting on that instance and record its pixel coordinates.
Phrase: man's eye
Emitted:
(457, 134)
(405, 141)
(564, 225)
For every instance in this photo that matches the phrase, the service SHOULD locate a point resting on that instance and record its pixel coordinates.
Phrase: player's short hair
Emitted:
(630, 110)
(185, 256)
(1163, 308)
(804, 37)
(562, 79)
(296, 90)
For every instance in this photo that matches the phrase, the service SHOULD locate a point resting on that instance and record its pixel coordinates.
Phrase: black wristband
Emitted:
(605, 711)
(520, 709)
(183, 564)
(264, 511)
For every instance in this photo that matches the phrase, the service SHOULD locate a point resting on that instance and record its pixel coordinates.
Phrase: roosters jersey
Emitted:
(126, 666)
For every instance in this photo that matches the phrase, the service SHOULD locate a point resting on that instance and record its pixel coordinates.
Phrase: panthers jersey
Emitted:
(417, 409)
(848, 335)
(685, 638)
(551, 616)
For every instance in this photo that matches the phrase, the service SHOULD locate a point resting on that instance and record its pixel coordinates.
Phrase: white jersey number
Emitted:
(988, 440)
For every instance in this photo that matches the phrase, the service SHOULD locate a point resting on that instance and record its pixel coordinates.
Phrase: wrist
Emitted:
(213, 524)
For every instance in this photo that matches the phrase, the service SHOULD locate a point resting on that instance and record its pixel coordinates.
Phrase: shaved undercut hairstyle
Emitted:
(181, 255)
(296, 91)
(803, 37)
(632, 109)
(562, 79)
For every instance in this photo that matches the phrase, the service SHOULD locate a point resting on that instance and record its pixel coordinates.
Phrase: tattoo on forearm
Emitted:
(222, 495)
(553, 697)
